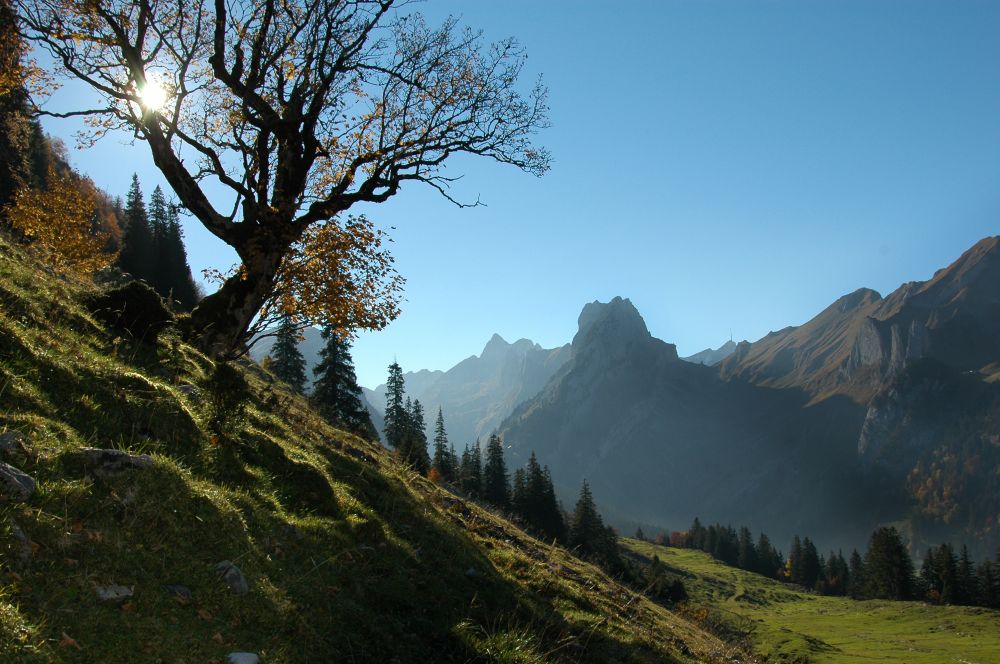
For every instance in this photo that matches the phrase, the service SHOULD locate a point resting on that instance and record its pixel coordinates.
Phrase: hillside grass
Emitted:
(786, 624)
(350, 557)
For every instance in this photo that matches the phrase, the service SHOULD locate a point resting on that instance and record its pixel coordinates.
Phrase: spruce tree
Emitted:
(181, 283)
(888, 567)
(495, 487)
(396, 417)
(336, 393)
(856, 586)
(136, 256)
(747, 556)
(966, 586)
(587, 533)
(413, 449)
(287, 362)
(470, 474)
(443, 459)
(159, 270)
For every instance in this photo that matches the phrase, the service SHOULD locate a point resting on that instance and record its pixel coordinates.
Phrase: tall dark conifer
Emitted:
(495, 487)
(136, 256)
(396, 417)
(336, 393)
(444, 458)
(287, 362)
(888, 567)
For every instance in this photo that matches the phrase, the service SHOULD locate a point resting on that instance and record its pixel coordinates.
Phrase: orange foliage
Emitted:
(60, 223)
(434, 475)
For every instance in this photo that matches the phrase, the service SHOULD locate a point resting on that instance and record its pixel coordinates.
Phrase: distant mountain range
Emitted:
(712, 356)
(480, 391)
(878, 409)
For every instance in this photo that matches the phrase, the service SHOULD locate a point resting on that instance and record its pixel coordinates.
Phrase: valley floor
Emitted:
(785, 624)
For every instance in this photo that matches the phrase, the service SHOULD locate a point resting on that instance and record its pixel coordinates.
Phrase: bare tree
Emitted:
(299, 109)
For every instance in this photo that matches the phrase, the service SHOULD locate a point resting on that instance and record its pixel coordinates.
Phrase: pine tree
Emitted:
(287, 362)
(888, 567)
(181, 283)
(519, 503)
(159, 271)
(495, 487)
(136, 257)
(336, 393)
(795, 561)
(811, 566)
(747, 556)
(413, 448)
(444, 458)
(470, 475)
(966, 586)
(587, 533)
(396, 418)
(856, 586)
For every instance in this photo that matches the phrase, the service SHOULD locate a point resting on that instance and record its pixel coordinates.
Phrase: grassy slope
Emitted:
(793, 626)
(349, 556)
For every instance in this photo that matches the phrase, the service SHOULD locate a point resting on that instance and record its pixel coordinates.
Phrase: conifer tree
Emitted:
(519, 503)
(158, 272)
(965, 588)
(413, 449)
(495, 483)
(179, 277)
(747, 556)
(587, 533)
(336, 393)
(856, 586)
(888, 567)
(444, 458)
(396, 417)
(287, 362)
(136, 256)
(471, 471)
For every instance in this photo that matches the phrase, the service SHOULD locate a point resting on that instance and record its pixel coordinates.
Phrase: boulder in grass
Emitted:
(134, 309)
(15, 484)
(106, 463)
(233, 577)
(243, 658)
(12, 442)
(113, 593)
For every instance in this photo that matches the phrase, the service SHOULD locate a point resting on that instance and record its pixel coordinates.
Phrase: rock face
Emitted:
(861, 342)
(15, 484)
(480, 391)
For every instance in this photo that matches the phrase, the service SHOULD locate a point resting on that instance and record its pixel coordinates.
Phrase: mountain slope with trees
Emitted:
(180, 508)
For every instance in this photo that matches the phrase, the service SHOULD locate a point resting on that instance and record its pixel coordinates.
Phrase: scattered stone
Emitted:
(233, 577)
(13, 441)
(106, 463)
(291, 532)
(113, 593)
(15, 484)
(473, 573)
(188, 390)
(243, 658)
(182, 593)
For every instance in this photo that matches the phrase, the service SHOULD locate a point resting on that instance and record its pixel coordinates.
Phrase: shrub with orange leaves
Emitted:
(434, 475)
(59, 222)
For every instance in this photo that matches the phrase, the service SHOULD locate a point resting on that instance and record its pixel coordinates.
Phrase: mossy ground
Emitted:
(349, 556)
(784, 624)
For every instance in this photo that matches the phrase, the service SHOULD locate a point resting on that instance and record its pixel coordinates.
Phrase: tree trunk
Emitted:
(220, 321)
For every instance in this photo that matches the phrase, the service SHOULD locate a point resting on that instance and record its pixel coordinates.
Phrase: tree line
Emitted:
(885, 571)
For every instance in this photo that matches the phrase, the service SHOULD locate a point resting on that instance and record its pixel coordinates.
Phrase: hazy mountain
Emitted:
(310, 345)
(877, 409)
(480, 391)
(712, 356)
(662, 440)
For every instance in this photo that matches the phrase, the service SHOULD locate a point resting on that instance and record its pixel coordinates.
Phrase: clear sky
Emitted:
(727, 165)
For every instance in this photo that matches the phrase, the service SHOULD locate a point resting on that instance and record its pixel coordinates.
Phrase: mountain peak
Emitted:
(496, 344)
(614, 323)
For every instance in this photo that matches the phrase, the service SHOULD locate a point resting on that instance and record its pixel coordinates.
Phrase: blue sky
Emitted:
(726, 165)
